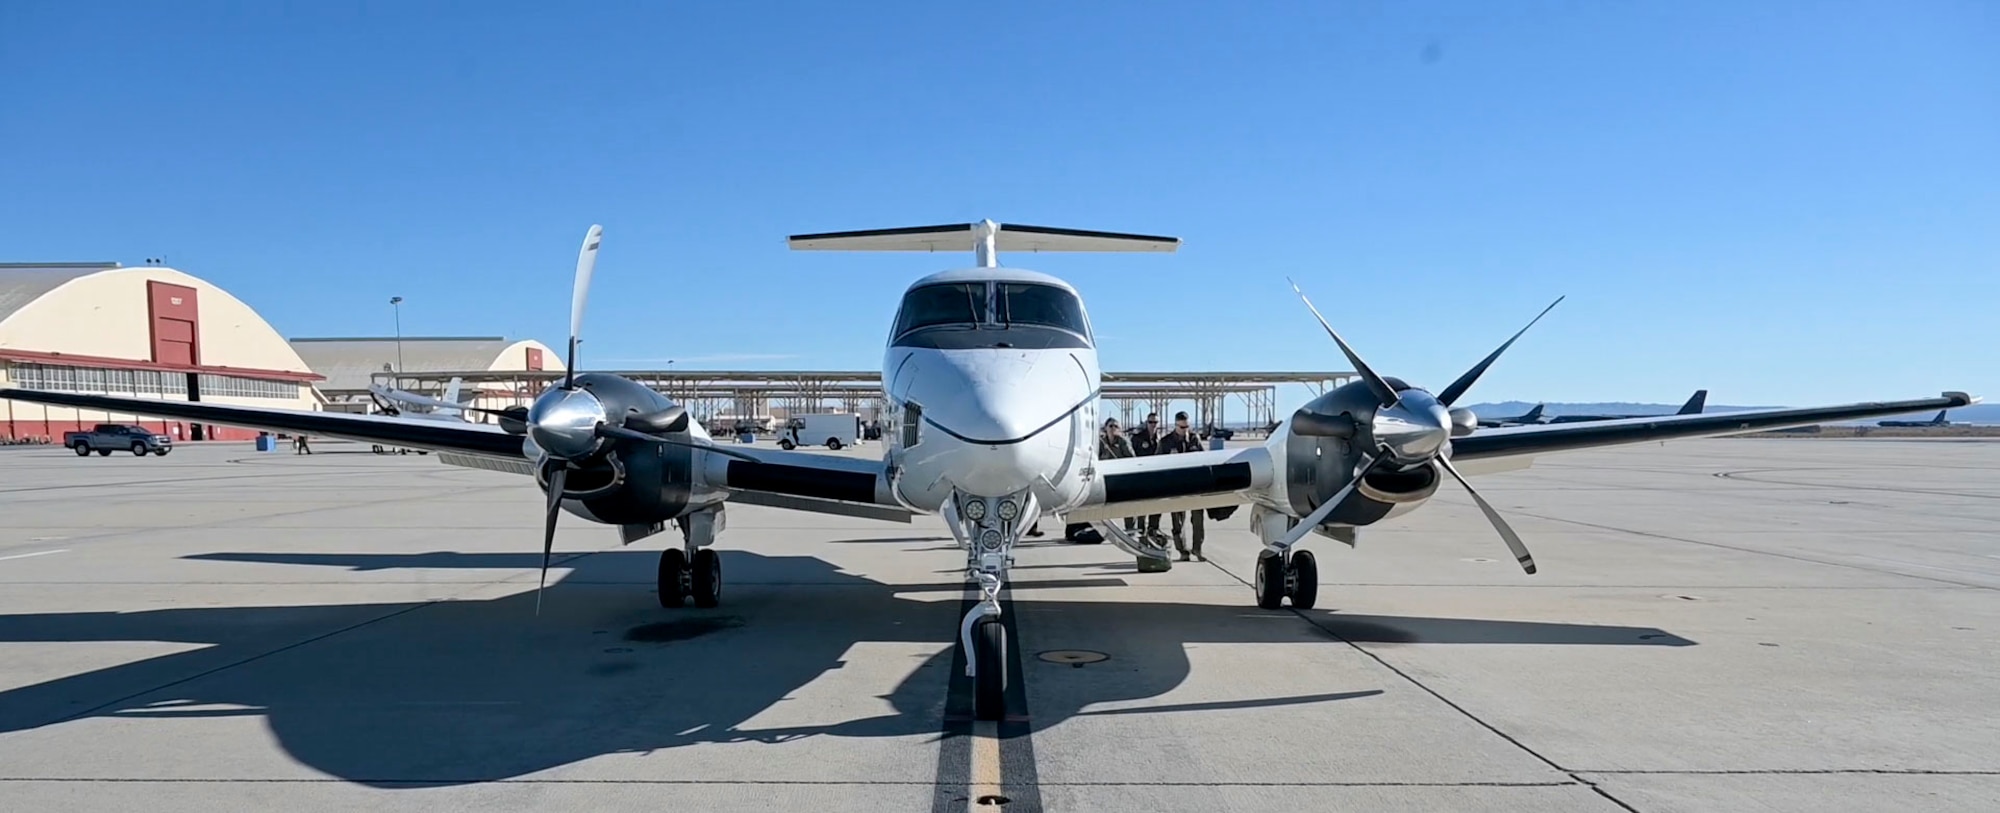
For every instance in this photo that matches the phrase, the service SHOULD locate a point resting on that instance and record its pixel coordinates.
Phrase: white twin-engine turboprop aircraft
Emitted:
(992, 384)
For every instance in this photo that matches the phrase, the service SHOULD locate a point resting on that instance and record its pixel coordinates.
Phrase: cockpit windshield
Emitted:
(959, 303)
(1025, 303)
(1012, 304)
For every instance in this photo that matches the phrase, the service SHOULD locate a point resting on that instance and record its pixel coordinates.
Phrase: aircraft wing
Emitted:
(477, 439)
(1527, 441)
(1213, 479)
(801, 481)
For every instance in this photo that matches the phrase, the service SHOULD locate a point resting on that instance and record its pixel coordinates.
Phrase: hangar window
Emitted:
(962, 303)
(1023, 303)
(60, 378)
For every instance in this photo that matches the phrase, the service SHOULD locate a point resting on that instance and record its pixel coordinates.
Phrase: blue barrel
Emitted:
(266, 443)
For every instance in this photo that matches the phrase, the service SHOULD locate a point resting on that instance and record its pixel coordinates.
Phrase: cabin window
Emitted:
(962, 303)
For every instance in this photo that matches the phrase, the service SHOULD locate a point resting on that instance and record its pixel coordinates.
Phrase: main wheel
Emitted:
(138, 450)
(833, 443)
(707, 570)
(1305, 580)
(673, 590)
(1270, 580)
(989, 683)
(82, 450)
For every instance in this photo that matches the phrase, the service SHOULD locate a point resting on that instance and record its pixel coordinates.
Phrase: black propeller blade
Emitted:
(557, 475)
(1514, 542)
(1465, 382)
(1376, 384)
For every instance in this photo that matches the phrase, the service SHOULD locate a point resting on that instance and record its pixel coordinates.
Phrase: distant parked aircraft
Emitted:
(1531, 416)
(1937, 421)
(1693, 406)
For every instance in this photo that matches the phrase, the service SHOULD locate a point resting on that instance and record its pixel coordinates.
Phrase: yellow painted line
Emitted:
(985, 764)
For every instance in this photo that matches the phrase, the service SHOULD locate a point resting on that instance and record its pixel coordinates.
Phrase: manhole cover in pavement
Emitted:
(1073, 657)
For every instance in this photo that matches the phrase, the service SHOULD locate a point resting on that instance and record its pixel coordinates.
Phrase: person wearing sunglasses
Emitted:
(1146, 443)
(1182, 441)
(1113, 444)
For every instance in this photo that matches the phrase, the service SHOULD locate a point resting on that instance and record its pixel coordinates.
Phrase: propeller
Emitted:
(557, 474)
(586, 264)
(1410, 428)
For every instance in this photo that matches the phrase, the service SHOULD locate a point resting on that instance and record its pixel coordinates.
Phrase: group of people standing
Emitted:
(1146, 441)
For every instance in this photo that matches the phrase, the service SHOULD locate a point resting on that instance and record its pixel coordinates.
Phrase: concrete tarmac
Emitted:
(1720, 625)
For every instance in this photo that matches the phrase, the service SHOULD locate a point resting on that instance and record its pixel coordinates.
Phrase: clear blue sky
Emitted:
(1784, 202)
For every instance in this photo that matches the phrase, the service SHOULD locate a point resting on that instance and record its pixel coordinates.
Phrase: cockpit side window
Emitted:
(1032, 304)
(949, 304)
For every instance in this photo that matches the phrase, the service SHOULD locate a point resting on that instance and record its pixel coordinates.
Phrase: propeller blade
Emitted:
(556, 479)
(609, 431)
(1383, 392)
(586, 262)
(1506, 531)
(1325, 509)
(1471, 376)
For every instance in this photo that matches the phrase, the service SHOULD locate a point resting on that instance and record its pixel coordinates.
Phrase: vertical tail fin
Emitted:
(451, 396)
(1534, 415)
(1940, 417)
(1695, 404)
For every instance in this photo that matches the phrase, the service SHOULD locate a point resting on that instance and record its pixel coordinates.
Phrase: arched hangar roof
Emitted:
(348, 362)
(103, 315)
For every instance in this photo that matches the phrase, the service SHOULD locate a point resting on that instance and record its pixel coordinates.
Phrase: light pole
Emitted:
(396, 302)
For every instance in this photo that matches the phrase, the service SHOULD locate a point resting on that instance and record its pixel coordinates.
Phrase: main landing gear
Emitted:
(694, 570)
(1281, 571)
(988, 528)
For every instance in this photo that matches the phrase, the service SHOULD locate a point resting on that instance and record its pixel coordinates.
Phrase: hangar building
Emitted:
(350, 364)
(147, 331)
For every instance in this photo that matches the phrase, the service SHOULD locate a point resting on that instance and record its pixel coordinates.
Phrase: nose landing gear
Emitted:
(988, 528)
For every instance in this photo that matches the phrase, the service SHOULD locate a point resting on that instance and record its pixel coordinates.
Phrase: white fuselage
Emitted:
(996, 406)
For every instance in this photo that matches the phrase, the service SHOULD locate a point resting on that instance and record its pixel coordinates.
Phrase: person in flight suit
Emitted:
(1146, 443)
(1183, 441)
(1115, 445)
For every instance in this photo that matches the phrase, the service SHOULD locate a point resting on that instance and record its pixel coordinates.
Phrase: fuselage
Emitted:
(991, 381)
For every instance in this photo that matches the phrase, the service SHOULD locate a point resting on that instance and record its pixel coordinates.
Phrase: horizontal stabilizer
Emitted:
(967, 237)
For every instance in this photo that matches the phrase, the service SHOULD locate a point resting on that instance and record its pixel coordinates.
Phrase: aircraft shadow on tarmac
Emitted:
(466, 691)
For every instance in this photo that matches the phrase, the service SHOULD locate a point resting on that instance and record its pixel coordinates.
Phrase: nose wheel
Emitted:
(989, 679)
(1280, 577)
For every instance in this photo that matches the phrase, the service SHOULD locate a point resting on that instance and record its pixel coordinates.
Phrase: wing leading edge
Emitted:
(483, 440)
(1513, 441)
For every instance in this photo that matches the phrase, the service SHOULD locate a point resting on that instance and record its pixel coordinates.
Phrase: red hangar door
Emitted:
(176, 324)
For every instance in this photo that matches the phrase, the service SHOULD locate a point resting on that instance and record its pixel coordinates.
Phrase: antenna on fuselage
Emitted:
(985, 239)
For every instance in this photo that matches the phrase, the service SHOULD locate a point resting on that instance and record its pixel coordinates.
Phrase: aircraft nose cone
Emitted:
(564, 423)
(1415, 428)
(996, 400)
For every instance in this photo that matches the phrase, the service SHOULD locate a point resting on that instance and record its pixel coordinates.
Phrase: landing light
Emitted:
(1009, 510)
(975, 509)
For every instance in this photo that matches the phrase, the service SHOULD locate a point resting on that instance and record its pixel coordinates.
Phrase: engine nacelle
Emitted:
(1318, 449)
(627, 482)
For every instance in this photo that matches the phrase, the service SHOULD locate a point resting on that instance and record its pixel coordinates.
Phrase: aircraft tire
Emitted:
(673, 562)
(989, 685)
(1305, 580)
(707, 581)
(1270, 580)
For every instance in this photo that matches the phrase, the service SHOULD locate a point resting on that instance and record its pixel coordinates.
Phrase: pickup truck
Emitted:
(106, 438)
